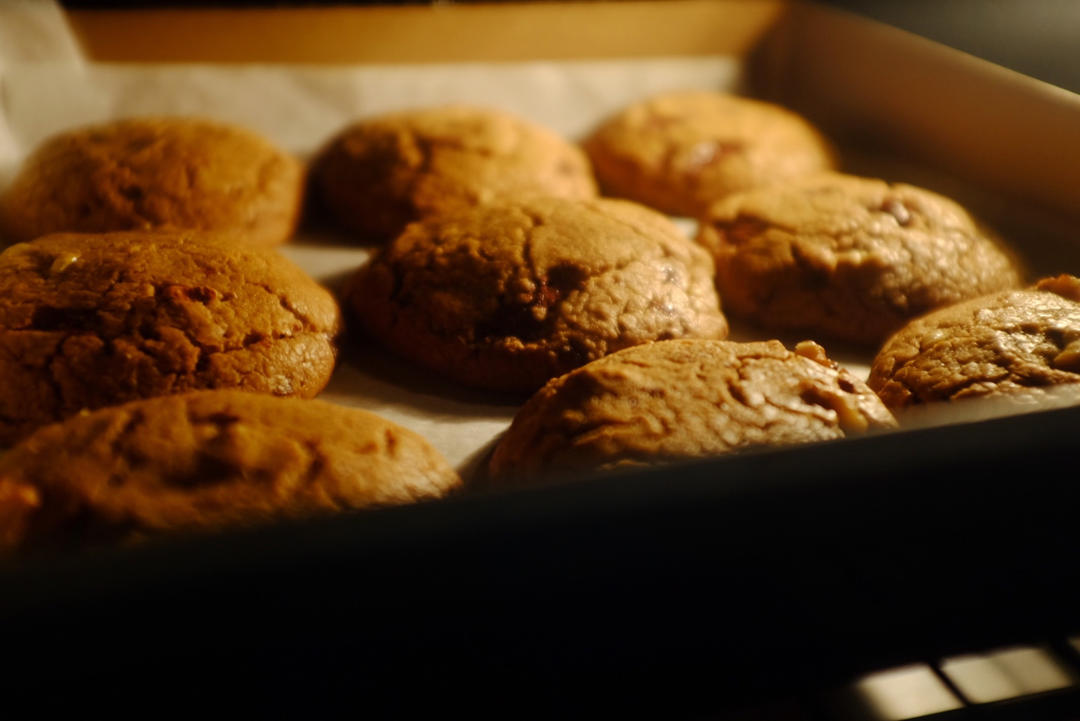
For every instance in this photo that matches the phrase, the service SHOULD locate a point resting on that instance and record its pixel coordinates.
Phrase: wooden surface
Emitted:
(406, 34)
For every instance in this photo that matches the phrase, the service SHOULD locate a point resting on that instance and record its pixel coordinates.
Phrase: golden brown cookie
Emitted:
(679, 152)
(93, 320)
(1007, 342)
(148, 173)
(384, 172)
(508, 295)
(208, 460)
(847, 257)
(682, 399)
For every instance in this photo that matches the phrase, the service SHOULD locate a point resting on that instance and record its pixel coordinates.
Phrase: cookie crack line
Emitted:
(314, 461)
(120, 167)
(1026, 371)
(134, 419)
(733, 231)
(914, 395)
(51, 377)
(736, 392)
(264, 174)
(307, 322)
(581, 430)
(417, 175)
(741, 371)
(957, 388)
(634, 228)
(535, 221)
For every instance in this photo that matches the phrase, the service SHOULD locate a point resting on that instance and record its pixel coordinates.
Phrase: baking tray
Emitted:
(676, 591)
(683, 590)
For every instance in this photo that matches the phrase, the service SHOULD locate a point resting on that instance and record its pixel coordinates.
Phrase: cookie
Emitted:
(1007, 342)
(679, 152)
(508, 295)
(93, 320)
(848, 258)
(208, 460)
(383, 172)
(151, 173)
(682, 399)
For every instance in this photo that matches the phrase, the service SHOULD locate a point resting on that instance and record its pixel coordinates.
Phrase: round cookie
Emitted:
(682, 399)
(846, 257)
(149, 173)
(208, 460)
(386, 171)
(93, 320)
(679, 152)
(1008, 342)
(508, 295)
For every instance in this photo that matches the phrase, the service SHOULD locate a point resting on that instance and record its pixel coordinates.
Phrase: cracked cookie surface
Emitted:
(207, 460)
(93, 320)
(1007, 342)
(679, 152)
(847, 257)
(511, 294)
(151, 173)
(682, 399)
(383, 172)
